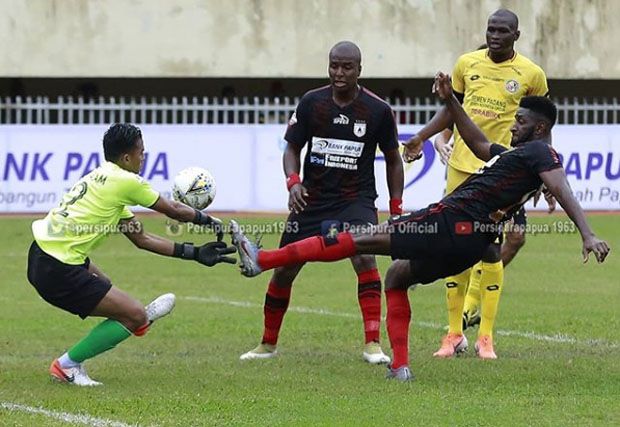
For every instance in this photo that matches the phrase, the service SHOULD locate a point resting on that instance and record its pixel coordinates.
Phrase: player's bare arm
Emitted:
(551, 202)
(134, 231)
(443, 145)
(472, 135)
(174, 210)
(557, 184)
(208, 254)
(395, 180)
(442, 120)
(549, 199)
(413, 147)
(181, 212)
(292, 166)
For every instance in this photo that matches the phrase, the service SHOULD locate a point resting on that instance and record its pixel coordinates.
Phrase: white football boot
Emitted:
(159, 307)
(262, 351)
(76, 375)
(374, 355)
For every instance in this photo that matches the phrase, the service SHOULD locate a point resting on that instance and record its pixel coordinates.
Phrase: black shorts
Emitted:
(439, 241)
(519, 222)
(69, 287)
(315, 221)
(520, 218)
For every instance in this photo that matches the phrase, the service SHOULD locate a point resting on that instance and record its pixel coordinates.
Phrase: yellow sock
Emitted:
(491, 283)
(456, 286)
(472, 299)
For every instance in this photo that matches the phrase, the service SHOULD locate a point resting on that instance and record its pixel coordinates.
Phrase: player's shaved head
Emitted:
(346, 49)
(502, 33)
(508, 16)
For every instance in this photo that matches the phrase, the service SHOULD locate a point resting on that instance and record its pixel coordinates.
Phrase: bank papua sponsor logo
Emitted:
(339, 147)
(583, 166)
(50, 166)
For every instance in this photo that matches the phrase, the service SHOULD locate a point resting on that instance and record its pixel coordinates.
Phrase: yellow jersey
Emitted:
(492, 92)
(90, 212)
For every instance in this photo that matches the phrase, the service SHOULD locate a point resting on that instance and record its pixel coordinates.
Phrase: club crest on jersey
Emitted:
(359, 128)
(512, 86)
(341, 120)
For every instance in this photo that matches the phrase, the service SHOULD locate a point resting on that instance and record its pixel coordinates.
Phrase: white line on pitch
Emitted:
(64, 416)
(556, 338)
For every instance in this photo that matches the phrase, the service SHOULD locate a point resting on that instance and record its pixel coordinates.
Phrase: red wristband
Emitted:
(291, 180)
(396, 206)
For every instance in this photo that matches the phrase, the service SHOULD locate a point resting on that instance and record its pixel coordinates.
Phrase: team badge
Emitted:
(512, 86)
(359, 129)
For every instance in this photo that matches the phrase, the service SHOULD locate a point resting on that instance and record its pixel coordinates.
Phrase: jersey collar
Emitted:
(487, 56)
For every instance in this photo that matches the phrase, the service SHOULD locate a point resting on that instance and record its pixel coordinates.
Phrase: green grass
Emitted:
(186, 371)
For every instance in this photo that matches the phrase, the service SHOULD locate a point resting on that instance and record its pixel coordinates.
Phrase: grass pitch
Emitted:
(558, 341)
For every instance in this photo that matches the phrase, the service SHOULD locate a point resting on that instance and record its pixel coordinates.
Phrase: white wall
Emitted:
(290, 38)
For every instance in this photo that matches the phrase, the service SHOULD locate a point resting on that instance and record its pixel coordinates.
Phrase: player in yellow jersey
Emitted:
(96, 206)
(489, 83)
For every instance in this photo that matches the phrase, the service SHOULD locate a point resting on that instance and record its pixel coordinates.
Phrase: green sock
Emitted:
(102, 338)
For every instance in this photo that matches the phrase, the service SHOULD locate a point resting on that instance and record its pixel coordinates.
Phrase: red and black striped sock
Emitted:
(310, 249)
(398, 318)
(369, 297)
(276, 304)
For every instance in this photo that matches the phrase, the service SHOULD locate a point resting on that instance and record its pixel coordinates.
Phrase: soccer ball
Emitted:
(194, 187)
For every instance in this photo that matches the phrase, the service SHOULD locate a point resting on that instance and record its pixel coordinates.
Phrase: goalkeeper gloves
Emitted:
(208, 254)
(215, 223)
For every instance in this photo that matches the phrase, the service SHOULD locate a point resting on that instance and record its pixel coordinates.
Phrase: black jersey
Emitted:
(341, 144)
(505, 182)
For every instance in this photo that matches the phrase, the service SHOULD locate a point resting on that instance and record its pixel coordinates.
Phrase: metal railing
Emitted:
(241, 110)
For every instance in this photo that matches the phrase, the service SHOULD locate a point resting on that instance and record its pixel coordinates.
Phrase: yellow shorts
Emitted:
(455, 178)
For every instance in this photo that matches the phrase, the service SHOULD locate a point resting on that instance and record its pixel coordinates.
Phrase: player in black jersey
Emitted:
(342, 125)
(453, 234)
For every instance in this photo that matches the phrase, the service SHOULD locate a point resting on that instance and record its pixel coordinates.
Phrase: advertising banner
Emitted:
(39, 163)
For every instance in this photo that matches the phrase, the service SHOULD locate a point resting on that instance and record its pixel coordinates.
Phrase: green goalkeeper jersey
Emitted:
(91, 211)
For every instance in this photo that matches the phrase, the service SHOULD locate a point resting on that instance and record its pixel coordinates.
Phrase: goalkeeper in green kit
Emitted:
(96, 206)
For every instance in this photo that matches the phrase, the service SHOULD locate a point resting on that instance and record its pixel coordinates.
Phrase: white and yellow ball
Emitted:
(195, 187)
